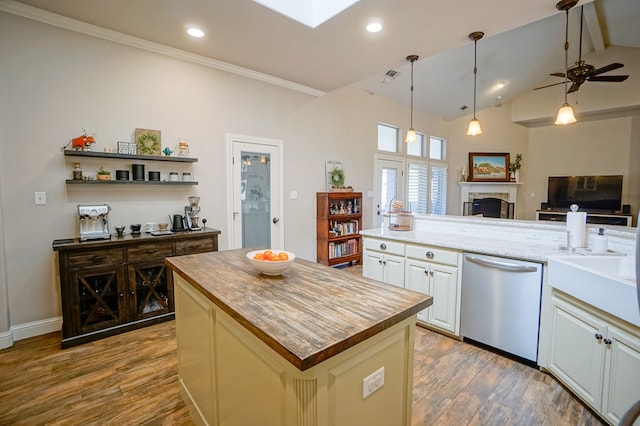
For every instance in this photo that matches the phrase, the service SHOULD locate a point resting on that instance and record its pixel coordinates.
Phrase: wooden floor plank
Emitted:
(131, 379)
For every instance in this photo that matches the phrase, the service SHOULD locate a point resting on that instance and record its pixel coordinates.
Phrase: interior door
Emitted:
(389, 183)
(256, 218)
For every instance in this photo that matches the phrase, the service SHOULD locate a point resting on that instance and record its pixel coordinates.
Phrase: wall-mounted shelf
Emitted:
(96, 154)
(128, 182)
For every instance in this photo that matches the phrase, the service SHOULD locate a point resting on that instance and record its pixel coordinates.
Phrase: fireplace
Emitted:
(502, 198)
(489, 207)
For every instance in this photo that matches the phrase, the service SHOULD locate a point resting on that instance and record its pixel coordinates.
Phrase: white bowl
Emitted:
(270, 267)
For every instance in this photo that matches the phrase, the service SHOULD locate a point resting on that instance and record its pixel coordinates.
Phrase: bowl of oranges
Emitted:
(270, 262)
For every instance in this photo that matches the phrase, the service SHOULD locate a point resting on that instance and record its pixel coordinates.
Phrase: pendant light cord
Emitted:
(566, 54)
(412, 59)
(475, 71)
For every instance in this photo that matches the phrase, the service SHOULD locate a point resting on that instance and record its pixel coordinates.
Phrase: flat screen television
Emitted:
(590, 193)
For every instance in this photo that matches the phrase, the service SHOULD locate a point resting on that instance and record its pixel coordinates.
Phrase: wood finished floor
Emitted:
(131, 379)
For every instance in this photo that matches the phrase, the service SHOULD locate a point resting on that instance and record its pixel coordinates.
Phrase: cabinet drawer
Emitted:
(384, 246)
(432, 254)
(150, 251)
(200, 245)
(96, 258)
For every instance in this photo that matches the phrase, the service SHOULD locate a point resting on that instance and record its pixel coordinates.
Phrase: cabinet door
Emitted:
(372, 265)
(577, 351)
(150, 290)
(622, 374)
(417, 279)
(393, 269)
(444, 289)
(99, 295)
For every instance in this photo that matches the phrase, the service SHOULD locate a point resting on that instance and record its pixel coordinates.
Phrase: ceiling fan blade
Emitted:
(548, 85)
(612, 78)
(557, 74)
(574, 88)
(607, 68)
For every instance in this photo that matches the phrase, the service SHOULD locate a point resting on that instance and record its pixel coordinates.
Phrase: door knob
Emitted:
(275, 220)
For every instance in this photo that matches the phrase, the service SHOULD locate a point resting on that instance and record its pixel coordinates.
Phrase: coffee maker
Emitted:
(94, 222)
(191, 214)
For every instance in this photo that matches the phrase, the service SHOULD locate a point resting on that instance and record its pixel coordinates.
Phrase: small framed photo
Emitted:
(127, 148)
(148, 141)
(489, 166)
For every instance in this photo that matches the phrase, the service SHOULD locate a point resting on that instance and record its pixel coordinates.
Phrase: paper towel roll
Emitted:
(576, 223)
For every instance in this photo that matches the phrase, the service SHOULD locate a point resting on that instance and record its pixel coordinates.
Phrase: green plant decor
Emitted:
(103, 171)
(516, 165)
(337, 177)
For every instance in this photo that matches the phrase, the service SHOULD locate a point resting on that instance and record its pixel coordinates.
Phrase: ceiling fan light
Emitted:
(411, 136)
(474, 128)
(565, 115)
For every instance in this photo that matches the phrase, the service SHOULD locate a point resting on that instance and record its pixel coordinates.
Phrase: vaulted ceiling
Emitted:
(523, 42)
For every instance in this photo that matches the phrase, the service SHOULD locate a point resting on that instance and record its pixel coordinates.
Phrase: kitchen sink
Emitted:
(606, 282)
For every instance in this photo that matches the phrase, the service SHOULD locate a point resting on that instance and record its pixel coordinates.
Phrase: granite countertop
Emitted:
(309, 313)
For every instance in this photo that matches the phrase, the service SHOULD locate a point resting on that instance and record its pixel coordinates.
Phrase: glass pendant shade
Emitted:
(411, 136)
(565, 115)
(474, 128)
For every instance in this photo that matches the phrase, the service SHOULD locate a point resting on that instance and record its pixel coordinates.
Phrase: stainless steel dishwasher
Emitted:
(501, 303)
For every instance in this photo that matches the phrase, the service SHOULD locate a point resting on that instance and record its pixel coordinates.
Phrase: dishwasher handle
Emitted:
(504, 266)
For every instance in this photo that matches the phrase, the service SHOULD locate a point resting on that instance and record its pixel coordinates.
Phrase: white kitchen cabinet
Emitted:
(434, 271)
(383, 260)
(595, 356)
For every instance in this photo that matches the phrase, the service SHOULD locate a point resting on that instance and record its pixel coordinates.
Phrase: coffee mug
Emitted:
(135, 228)
(119, 230)
(163, 227)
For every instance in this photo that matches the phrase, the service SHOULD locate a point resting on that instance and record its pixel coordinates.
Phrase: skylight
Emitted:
(308, 12)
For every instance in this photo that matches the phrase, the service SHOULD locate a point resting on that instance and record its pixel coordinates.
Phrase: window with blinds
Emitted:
(439, 189)
(417, 187)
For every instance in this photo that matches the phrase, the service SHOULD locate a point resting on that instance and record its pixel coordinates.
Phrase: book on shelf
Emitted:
(345, 228)
(343, 249)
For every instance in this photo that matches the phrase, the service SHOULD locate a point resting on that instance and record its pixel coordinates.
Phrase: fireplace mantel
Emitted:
(468, 191)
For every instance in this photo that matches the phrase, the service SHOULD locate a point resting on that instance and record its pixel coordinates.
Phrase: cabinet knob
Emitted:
(607, 341)
(426, 272)
(598, 336)
(133, 293)
(383, 246)
(121, 295)
(384, 262)
(380, 261)
(430, 255)
(431, 273)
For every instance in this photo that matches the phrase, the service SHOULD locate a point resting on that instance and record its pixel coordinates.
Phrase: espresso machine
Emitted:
(191, 214)
(94, 222)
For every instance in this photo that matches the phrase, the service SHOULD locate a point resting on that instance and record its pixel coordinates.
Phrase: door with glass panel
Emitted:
(256, 214)
(389, 183)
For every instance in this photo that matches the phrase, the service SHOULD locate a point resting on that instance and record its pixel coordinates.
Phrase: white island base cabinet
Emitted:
(229, 377)
(596, 357)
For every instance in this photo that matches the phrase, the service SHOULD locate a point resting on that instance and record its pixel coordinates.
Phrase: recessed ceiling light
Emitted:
(374, 27)
(195, 32)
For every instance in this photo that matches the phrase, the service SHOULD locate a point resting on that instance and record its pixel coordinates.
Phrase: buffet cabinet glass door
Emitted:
(151, 289)
(101, 298)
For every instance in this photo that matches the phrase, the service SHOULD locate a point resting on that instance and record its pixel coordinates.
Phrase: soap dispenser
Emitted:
(599, 242)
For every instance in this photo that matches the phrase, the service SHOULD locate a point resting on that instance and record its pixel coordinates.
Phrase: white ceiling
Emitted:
(523, 42)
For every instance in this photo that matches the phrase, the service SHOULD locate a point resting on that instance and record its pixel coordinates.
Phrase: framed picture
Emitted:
(127, 148)
(489, 166)
(148, 142)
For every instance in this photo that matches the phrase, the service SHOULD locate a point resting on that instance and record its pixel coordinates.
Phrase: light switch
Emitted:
(293, 195)
(41, 198)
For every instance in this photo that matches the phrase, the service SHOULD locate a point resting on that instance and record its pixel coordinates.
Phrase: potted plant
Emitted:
(103, 174)
(514, 168)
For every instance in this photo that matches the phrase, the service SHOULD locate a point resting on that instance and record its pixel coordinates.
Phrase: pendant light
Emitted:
(565, 113)
(474, 124)
(411, 134)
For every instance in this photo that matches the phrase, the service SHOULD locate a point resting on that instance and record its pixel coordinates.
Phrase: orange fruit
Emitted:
(283, 256)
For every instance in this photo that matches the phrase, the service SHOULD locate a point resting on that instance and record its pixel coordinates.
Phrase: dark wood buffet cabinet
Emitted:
(112, 286)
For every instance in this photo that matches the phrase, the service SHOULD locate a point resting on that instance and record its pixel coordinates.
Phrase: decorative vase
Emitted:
(517, 173)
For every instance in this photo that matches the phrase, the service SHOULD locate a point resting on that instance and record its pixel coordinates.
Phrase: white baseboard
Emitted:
(31, 329)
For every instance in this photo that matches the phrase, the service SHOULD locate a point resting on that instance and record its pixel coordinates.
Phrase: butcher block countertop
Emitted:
(309, 313)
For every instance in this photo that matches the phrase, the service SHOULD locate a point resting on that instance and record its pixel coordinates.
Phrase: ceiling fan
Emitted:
(581, 71)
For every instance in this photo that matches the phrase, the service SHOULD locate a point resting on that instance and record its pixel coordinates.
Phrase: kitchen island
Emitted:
(303, 348)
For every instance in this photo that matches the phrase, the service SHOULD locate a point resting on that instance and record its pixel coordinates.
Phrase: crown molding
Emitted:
(30, 12)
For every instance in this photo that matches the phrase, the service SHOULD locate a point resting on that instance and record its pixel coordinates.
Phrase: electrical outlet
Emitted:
(293, 195)
(40, 198)
(372, 382)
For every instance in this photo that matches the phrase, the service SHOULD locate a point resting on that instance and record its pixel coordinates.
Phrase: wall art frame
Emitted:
(489, 167)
